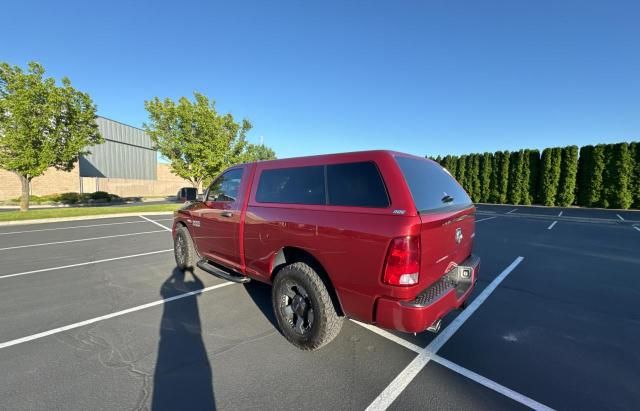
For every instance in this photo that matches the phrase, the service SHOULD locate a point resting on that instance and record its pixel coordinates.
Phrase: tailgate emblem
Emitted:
(459, 235)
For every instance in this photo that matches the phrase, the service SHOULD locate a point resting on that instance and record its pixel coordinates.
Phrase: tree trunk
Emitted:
(24, 200)
(197, 184)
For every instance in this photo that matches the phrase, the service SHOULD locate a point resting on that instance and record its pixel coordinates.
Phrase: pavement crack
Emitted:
(112, 357)
(240, 342)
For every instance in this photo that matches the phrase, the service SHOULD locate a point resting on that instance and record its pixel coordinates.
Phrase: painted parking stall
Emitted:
(543, 330)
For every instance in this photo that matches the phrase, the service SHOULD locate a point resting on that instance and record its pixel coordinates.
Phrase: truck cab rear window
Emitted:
(296, 185)
(349, 184)
(432, 187)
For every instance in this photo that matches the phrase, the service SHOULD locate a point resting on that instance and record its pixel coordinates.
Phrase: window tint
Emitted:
(432, 187)
(225, 187)
(356, 184)
(296, 185)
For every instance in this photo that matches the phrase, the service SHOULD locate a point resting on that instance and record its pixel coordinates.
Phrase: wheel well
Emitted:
(290, 255)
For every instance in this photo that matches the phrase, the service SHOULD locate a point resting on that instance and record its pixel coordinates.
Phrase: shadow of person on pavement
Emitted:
(182, 378)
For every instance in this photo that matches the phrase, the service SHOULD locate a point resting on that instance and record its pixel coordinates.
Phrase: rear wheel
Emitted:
(183, 249)
(303, 307)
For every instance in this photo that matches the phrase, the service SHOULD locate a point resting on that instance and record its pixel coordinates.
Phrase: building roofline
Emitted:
(120, 122)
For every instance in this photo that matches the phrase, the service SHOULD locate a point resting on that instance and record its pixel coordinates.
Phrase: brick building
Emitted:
(126, 165)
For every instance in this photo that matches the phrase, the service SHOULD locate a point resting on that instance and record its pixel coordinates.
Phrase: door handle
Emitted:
(226, 214)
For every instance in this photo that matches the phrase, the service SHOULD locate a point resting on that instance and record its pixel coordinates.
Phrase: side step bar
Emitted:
(224, 274)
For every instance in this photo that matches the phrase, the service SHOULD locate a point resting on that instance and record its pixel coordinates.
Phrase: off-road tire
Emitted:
(326, 322)
(183, 249)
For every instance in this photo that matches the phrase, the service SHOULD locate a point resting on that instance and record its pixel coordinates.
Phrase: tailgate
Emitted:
(446, 212)
(446, 239)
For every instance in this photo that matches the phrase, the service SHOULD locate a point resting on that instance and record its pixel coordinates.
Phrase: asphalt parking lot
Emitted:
(93, 315)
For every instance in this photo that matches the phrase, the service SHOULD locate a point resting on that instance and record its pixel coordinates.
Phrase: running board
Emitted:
(219, 272)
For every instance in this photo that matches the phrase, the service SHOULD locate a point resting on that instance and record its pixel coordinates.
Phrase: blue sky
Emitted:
(425, 77)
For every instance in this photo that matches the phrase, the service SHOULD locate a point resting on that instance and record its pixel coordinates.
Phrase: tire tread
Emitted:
(330, 323)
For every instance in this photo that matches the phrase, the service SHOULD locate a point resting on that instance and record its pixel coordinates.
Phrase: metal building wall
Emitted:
(126, 153)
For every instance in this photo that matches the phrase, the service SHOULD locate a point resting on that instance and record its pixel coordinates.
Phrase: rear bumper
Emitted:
(433, 303)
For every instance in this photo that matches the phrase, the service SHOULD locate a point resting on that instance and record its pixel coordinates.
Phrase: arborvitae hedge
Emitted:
(568, 172)
(476, 177)
(493, 196)
(600, 176)
(534, 176)
(550, 175)
(617, 177)
(469, 176)
(452, 164)
(503, 177)
(461, 171)
(486, 166)
(634, 150)
(590, 187)
(585, 168)
(516, 177)
(526, 176)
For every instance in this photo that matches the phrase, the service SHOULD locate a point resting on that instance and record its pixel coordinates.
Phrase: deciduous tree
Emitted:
(199, 141)
(257, 152)
(42, 124)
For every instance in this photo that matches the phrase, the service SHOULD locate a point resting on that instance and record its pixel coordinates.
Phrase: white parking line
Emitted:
(80, 240)
(108, 316)
(636, 227)
(512, 211)
(507, 392)
(390, 336)
(560, 213)
(620, 217)
(395, 388)
(62, 267)
(485, 219)
(79, 226)
(155, 222)
(552, 224)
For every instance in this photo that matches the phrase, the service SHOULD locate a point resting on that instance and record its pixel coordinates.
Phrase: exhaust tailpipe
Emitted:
(435, 327)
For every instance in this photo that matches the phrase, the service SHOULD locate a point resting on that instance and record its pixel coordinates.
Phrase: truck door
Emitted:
(218, 222)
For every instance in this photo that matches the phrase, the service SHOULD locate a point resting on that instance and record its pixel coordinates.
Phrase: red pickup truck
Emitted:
(378, 236)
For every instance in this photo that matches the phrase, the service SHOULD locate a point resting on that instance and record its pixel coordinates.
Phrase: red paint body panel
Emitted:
(350, 243)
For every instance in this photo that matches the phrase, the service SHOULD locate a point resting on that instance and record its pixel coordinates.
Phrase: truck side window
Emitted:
(294, 185)
(356, 185)
(225, 187)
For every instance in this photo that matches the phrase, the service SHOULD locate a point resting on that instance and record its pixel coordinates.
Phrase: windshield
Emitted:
(431, 185)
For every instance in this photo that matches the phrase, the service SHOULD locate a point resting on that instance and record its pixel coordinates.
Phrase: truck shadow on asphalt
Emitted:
(182, 377)
(260, 294)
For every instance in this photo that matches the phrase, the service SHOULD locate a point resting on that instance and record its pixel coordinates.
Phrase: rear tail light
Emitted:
(402, 266)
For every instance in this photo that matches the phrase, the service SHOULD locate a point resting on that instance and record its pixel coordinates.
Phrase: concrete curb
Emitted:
(84, 217)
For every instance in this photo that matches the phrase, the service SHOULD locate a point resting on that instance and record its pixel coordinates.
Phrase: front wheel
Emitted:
(183, 249)
(303, 307)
